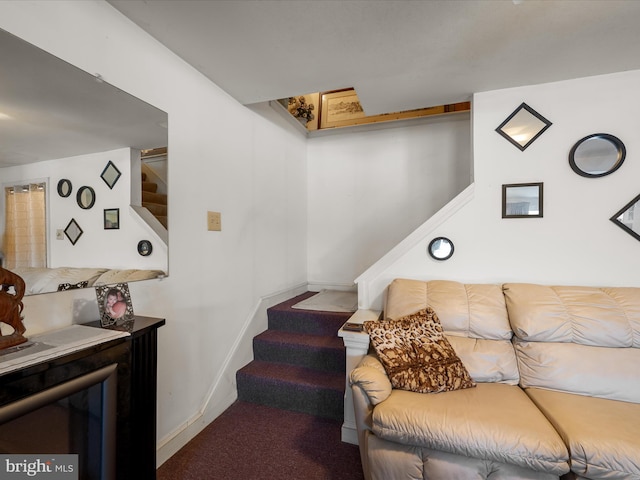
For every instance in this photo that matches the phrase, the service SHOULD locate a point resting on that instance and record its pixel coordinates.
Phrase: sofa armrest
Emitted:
(371, 377)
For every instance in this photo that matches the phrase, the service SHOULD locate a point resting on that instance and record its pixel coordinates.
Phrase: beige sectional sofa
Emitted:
(557, 395)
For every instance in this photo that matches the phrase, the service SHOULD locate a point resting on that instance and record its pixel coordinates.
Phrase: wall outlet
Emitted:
(59, 234)
(214, 223)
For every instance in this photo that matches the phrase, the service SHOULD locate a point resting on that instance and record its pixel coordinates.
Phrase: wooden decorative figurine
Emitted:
(12, 288)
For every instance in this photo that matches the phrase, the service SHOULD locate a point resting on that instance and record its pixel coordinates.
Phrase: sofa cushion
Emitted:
(391, 461)
(577, 339)
(465, 310)
(603, 317)
(605, 372)
(493, 421)
(416, 355)
(602, 435)
(473, 317)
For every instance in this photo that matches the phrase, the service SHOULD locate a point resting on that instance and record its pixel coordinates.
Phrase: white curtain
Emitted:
(25, 242)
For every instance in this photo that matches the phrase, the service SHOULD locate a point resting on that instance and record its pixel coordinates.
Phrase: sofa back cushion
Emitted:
(583, 340)
(473, 317)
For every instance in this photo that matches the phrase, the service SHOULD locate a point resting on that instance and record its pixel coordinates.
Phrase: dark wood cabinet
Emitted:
(135, 408)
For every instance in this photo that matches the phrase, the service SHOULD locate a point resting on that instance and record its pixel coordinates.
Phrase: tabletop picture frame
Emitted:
(114, 304)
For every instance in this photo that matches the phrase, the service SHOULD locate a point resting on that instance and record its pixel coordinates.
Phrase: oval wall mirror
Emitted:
(86, 197)
(64, 187)
(597, 155)
(440, 248)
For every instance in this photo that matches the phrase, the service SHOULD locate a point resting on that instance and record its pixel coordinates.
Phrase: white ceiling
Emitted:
(398, 54)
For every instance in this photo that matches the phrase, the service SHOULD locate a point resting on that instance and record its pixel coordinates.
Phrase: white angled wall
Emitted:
(369, 190)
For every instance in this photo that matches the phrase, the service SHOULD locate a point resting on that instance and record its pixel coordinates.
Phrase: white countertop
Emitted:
(56, 343)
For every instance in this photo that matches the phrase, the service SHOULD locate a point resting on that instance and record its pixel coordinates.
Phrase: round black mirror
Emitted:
(145, 248)
(64, 187)
(440, 248)
(597, 155)
(86, 197)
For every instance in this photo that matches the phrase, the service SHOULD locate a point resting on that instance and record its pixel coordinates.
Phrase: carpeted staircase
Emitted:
(299, 362)
(155, 202)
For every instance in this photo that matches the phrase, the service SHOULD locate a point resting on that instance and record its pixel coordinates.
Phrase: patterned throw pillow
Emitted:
(72, 286)
(416, 354)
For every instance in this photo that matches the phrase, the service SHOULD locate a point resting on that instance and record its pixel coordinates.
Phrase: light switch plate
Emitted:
(214, 223)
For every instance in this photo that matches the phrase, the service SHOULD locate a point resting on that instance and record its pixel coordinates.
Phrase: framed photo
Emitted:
(522, 200)
(111, 218)
(114, 303)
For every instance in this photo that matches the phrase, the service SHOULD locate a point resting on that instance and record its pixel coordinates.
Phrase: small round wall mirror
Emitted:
(597, 155)
(440, 248)
(86, 197)
(145, 248)
(64, 187)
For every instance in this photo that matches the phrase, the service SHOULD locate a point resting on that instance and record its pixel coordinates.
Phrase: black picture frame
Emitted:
(111, 218)
(522, 200)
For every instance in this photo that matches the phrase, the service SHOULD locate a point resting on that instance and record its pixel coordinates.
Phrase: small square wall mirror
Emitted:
(523, 126)
(522, 200)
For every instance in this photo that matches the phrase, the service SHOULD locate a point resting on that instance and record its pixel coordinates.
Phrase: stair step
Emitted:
(326, 353)
(284, 317)
(156, 208)
(149, 187)
(151, 197)
(293, 388)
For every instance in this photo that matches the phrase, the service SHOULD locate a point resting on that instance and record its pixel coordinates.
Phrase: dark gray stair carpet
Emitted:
(313, 351)
(299, 362)
(284, 317)
(293, 388)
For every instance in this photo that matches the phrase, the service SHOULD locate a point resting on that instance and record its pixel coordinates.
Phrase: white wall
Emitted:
(575, 242)
(369, 190)
(223, 157)
(97, 247)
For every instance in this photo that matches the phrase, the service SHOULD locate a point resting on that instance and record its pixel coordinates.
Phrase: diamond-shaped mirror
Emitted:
(628, 218)
(73, 231)
(523, 126)
(110, 174)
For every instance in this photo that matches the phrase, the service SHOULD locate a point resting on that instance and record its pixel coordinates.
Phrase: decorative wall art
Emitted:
(111, 218)
(522, 200)
(64, 188)
(114, 303)
(440, 248)
(86, 197)
(73, 231)
(110, 174)
(523, 126)
(597, 155)
(145, 248)
(628, 218)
